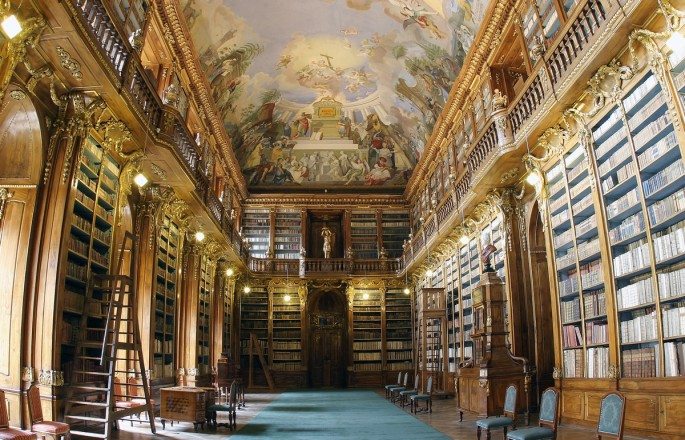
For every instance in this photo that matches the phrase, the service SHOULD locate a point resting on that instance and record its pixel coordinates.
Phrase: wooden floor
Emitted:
(444, 418)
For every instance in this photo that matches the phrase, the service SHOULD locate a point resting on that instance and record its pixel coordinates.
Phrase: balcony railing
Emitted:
(577, 36)
(165, 122)
(324, 266)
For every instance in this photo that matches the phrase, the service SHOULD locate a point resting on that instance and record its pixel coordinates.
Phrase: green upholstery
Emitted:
(399, 380)
(427, 397)
(409, 392)
(537, 432)
(611, 414)
(548, 407)
(510, 399)
(420, 397)
(494, 422)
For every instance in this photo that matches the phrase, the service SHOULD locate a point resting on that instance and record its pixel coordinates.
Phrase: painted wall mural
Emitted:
(331, 92)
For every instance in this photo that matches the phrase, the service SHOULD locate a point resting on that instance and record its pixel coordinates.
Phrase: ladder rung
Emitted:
(92, 373)
(88, 358)
(88, 403)
(88, 434)
(88, 388)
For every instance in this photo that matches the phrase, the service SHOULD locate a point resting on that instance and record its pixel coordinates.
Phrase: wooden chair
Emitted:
(427, 397)
(229, 405)
(612, 413)
(7, 433)
(395, 391)
(138, 395)
(549, 417)
(508, 419)
(408, 393)
(387, 387)
(40, 426)
(121, 400)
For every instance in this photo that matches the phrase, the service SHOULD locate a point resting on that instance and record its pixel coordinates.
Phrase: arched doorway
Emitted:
(327, 340)
(542, 302)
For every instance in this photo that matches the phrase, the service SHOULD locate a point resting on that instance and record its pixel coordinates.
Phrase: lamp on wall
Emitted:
(246, 290)
(199, 236)
(230, 272)
(11, 26)
(676, 43)
(140, 180)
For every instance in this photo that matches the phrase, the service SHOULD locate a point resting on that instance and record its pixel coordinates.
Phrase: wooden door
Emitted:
(327, 319)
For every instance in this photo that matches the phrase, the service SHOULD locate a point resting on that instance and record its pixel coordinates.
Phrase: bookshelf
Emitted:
(254, 318)
(367, 331)
(395, 228)
(469, 275)
(364, 235)
(89, 241)
(454, 330)
(227, 312)
(256, 229)
(286, 329)
(398, 330)
(166, 278)
(204, 313)
(287, 234)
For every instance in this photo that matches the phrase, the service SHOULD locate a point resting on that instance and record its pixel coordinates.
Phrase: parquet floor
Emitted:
(444, 418)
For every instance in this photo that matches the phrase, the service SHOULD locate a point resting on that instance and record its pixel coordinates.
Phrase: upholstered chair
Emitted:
(612, 412)
(44, 428)
(395, 391)
(7, 433)
(405, 394)
(547, 424)
(427, 397)
(504, 421)
(387, 387)
(228, 405)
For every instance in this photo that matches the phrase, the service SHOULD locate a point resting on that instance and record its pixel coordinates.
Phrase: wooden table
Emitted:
(183, 404)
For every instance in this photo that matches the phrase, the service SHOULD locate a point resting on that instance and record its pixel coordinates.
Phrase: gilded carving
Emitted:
(5, 194)
(17, 95)
(51, 378)
(69, 63)
(15, 52)
(557, 373)
(28, 374)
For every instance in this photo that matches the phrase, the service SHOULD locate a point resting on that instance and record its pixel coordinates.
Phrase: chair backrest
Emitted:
(549, 408)
(611, 415)
(416, 382)
(118, 392)
(399, 378)
(233, 394)
(35, 410)
(510, 401)
(133, 388)
(429, 385)
(406, 379)
(4, 415)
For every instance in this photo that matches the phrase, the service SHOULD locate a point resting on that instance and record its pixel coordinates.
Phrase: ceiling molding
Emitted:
(179, 36)
(488, 38)
(327, 200)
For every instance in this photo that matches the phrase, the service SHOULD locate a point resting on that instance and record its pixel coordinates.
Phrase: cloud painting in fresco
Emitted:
(331, 92)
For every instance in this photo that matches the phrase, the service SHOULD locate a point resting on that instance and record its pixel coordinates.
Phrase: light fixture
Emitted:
(230, 272)
(286, 298)
(406, 291)
(11, 26)
(140, 180)
(464, 239)
(533, 178)
(246, 290)
(429, 273)
(365, 295)
(199, 236)
(676, 43)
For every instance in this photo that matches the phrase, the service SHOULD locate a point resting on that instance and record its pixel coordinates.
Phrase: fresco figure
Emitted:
(379, 174)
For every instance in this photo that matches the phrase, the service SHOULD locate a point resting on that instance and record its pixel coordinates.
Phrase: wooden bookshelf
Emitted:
(287, 234)
(254, 318)
(395, 229)
(367, 330)
(256, 229)
(364, 235)
(454, 330)
(166, 289)
(286, 329)
(204, 315)
(398, 330)
(88, 247)
(227, 312)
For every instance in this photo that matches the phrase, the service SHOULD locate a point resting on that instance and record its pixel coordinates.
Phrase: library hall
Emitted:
(342, 219)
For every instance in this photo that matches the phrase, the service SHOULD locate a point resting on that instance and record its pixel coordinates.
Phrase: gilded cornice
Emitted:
(325, 200)
(487, 39)
(184, 50)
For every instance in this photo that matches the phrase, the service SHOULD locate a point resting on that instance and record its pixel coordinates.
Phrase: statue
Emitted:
(382, 253)
(349, 253)
(488, 250)
(328, 237)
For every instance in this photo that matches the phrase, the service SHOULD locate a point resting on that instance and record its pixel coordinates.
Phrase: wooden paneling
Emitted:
(672, 414)
(592, 403)
(572, 403)
(641, 411)
(20, 140)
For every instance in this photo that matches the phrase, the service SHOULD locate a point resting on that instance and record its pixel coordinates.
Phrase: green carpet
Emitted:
(335, 414)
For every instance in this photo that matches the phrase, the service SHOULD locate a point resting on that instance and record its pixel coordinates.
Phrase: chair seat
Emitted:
(534, 433)
(420, 397)
(387, 387)
(398, 389)
(221, 407)
(128, 404)
(50, 427)
(142, 401)
(494, 422)
(408, 392)
(16, 434)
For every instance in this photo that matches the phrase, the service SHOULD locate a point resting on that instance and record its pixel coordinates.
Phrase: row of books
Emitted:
(571, 336)
(73, 301)
(670, 242)
(654, 152)
(163, 370)
(286, 356)
(366, 334)
(642, 327)
(286, 334)
(646, 110)
(586, 225)
(76, 271)
(673, 320)
(640, 362)
(596, 332)
(569, 285)
(366, 355)
(636, 258)
(85, 199)
(663, 178)
(629, 227)
(573, 363)
(588, 248)
(591, 274)
(570, 310)
(621, 175)
(631, 198)
(671, 283)
(613, 161)
(646, 134)
(376, 366)
(635, 294)
(163, 346)
(583, 204)
(639, 92)
(675, 359)
(399, 356)
(666, 208)
(595, 304)
(287, 366)
(597, 362)
(287, 345)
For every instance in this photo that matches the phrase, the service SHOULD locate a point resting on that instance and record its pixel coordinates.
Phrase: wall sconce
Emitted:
(533, 178)
(11, 26)
(406, 291)
(429, 273)
(464, 240)
(246, 290)
(140, 180)
(199, 236)
(286, 298)
(230, 272)
(365, 296)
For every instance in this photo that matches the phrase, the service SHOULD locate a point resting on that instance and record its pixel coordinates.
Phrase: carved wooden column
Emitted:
(220, 292)
(186, 353)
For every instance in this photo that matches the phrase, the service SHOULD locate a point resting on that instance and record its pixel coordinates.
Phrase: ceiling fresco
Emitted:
(322, 93)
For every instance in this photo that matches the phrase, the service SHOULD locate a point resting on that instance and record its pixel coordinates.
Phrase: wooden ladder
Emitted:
(106, 348)
(255, 348)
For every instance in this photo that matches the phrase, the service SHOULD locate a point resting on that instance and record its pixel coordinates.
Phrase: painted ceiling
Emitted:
(331, 93)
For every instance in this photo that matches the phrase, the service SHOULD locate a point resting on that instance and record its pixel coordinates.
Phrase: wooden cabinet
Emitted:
(183, 404)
